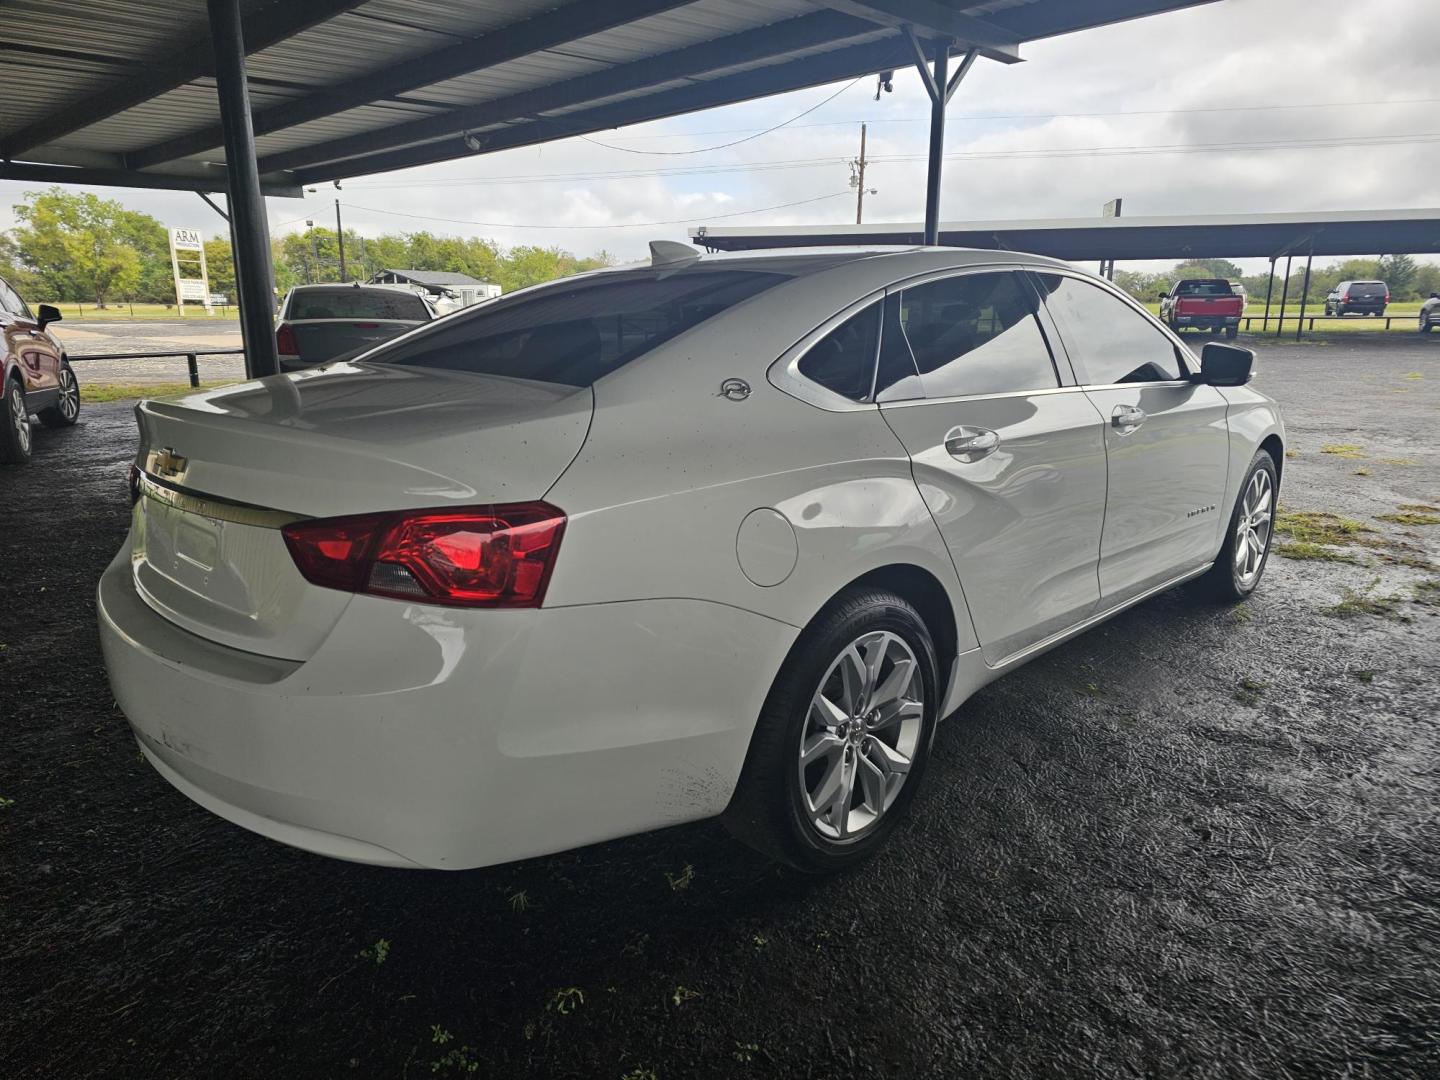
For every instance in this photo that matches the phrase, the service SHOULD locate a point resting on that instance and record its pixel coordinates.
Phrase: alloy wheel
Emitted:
(69, 394)
(861, 735)
(1252, 532)
(20, 418)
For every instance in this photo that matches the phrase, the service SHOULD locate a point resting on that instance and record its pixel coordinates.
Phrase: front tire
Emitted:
(1425, 325)
(1241, 563)
(66, 409)
(14, 425)
(843, 739)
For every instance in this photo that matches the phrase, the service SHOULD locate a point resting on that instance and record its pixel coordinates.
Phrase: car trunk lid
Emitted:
(224, 470)
(318, 340)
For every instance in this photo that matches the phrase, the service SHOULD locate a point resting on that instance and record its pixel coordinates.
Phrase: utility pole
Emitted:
(857, 179)
(340, 236)
(860, 188)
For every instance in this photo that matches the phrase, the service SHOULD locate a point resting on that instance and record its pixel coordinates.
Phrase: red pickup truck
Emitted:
(1202, 304)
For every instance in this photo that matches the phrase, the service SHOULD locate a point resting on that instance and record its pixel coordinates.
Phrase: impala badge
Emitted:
(169, 464)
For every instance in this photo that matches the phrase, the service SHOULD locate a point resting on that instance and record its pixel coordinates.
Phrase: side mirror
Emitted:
(1225, 365)
(48, 314)
(1161, 296)
(1435, 296)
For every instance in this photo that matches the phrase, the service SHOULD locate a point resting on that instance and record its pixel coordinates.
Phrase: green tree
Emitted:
(78, 246)
(220, 266)
(1398, 272)
(1200, 268)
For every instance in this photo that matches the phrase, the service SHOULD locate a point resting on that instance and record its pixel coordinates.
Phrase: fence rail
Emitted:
(191, 358)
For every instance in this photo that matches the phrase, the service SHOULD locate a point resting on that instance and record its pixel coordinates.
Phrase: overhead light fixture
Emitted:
(886, 83)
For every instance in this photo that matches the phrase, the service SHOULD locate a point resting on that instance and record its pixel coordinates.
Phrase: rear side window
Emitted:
(1204, 288)
(575, 332)
(1106, 338)
(843, 361)
(1367, 288)
(10, 300)
(356, 304)
(976, 334)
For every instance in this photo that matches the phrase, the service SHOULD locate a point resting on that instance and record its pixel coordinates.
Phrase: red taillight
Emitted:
(285, 340)
(497, 556)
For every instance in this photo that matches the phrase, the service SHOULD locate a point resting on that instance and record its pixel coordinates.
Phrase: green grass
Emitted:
(1345, 450)
(70, 311)
(1409, 519)
(1319, 527)
(1304, 549)
(1364, 601)
(95, 393)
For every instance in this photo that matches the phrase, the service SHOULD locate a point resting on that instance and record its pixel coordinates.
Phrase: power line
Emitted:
(1135, 149)
(737, 142)
(1038, 116)
(626, 225)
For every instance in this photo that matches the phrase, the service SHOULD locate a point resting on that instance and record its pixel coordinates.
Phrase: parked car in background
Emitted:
(1358, 297)
(715, 536)
(1202, 304)
(35, 377)
(1430, 313)
(1238, 288)
(318, 323)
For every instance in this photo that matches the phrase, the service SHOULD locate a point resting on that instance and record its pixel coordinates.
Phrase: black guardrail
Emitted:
(190, 358)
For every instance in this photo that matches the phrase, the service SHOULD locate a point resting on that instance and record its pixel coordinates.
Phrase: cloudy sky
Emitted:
(1212, 110)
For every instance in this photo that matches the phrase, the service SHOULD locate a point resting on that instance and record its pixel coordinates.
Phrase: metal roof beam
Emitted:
(271, 24)
(843, 63)
(749, 46)
(932, 20)
(546, 31)
(64, 174)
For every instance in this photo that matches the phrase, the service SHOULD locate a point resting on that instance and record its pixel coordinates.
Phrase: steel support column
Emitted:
(254, 278)
(1284, 296)
(937, 143)
(1269, 291)
(1304, 295)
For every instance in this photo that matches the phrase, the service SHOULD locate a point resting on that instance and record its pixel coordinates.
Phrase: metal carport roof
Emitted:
(122, 91)
(145, 93)
(1345, 232)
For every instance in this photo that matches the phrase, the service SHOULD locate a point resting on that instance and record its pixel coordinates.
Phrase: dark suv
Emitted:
(36, 376)
(1362, 297)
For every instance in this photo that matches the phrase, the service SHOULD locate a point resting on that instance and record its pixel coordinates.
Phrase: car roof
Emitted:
(341, 286)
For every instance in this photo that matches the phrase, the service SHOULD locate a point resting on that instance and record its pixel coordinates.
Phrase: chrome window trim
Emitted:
(956, 399)
(784, 373)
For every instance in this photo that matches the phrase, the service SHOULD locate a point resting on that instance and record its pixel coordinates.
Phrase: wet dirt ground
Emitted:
(1195, 842)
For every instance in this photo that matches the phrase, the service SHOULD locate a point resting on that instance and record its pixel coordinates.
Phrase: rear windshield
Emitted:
(575, 332)
(1367, 288)
(1204, 288)
(356, 304)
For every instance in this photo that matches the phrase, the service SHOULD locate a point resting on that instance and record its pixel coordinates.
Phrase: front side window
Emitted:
(843, 361)
(976, 334)
(575, 332)
(1106, 338)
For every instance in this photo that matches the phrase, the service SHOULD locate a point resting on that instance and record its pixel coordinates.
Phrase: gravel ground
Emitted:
(151, 335)
(1194, 842)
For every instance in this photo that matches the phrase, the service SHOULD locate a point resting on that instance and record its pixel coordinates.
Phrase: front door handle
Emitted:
(970, 443)
(1127, 418)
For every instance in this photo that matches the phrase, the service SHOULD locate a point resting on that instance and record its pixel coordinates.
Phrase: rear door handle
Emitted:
(1127, 418)
(971, 444)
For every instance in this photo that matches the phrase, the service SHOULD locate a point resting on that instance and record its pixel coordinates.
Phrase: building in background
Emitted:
(447, 290)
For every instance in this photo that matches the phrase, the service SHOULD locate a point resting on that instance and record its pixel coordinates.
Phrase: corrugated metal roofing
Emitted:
(338, 88)
(1197, 236)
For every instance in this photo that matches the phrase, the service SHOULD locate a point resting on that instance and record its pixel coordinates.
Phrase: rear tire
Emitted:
(1425, 325)
(14, 425)
(1232, 332)
(842, 742)
(66, 411)
(1237, 571)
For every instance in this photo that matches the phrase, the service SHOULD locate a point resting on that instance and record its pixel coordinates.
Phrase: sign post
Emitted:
(186, 246)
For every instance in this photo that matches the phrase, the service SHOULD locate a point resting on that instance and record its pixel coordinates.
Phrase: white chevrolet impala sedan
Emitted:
(709, 536)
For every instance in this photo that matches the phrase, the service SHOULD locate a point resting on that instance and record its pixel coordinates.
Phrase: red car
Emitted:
(37, 377)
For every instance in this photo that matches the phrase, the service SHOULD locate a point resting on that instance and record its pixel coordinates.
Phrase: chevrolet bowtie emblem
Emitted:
(168, 463)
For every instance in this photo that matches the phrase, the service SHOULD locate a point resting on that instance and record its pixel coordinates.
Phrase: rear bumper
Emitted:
(1208, 322)
(420, 736)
